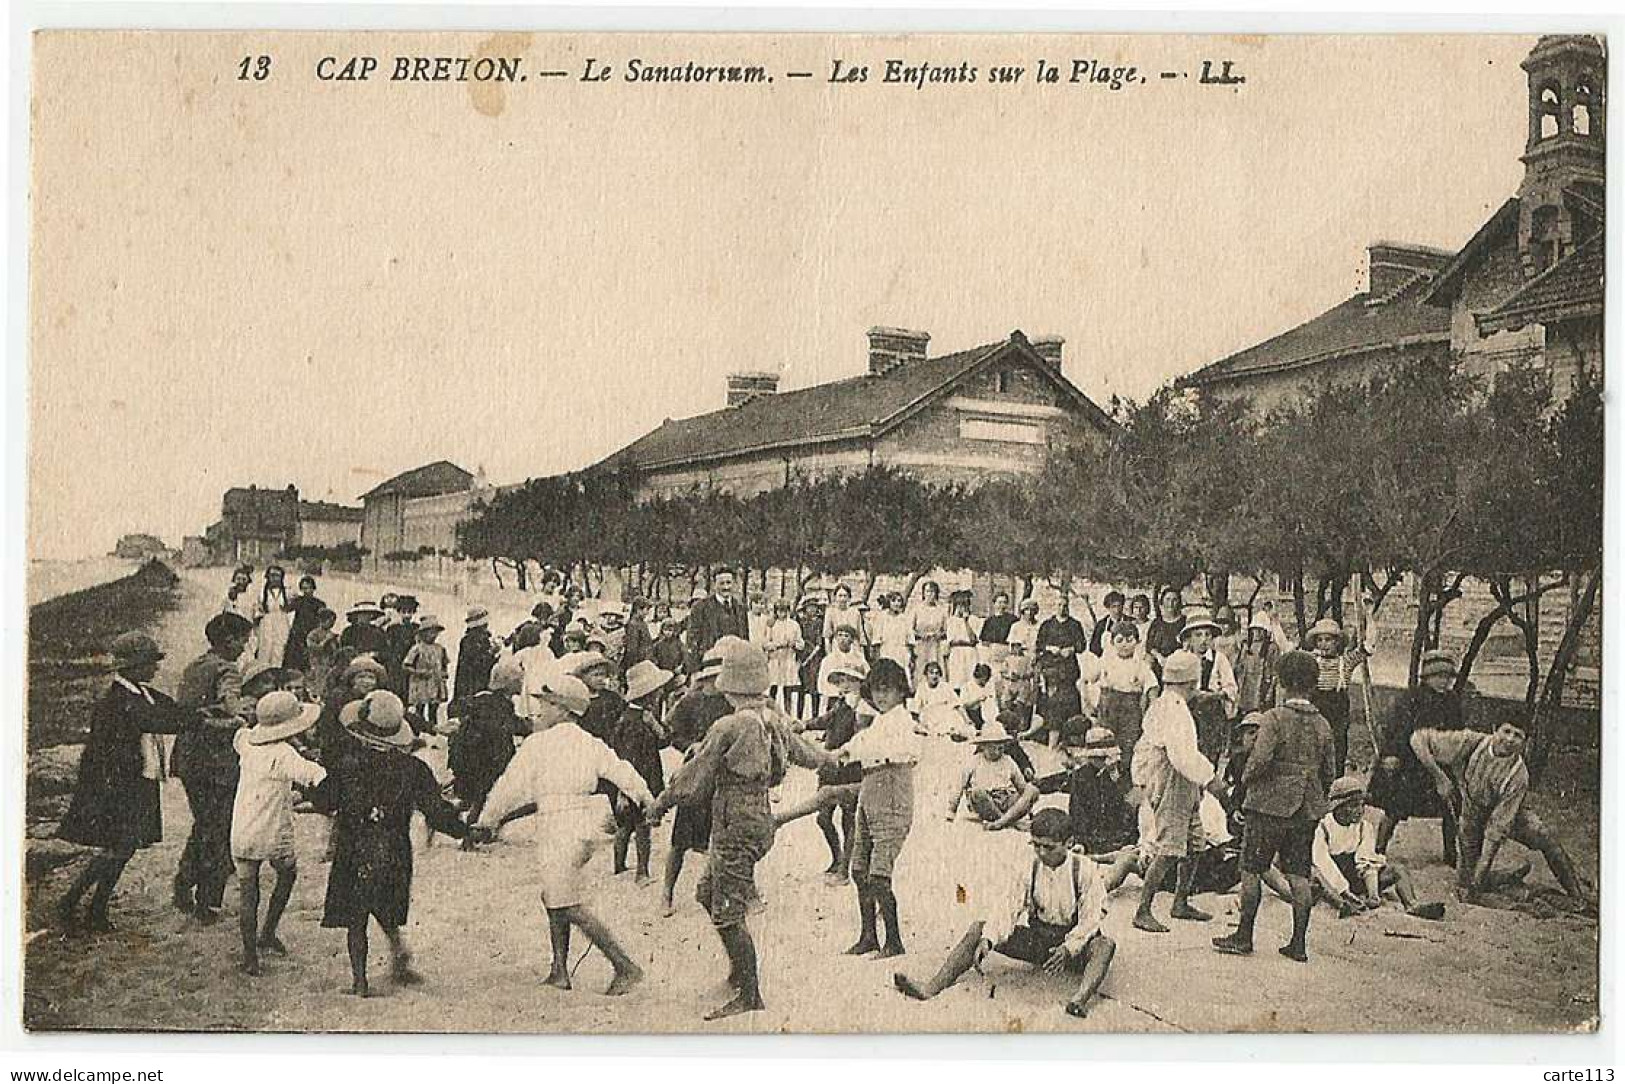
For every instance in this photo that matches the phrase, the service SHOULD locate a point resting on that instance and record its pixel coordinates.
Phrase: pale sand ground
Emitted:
(480, 939)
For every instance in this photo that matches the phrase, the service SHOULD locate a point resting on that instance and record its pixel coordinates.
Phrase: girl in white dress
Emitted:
(783, 642)
(271, 615)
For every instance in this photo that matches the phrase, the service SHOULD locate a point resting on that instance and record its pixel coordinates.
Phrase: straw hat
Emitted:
(646, 677)
(507, 676)
(1100, 743)
(1437, 662)
(1028, 603)
(580, 662)
(430, 621)
(1326, 626)
(136, 647)
(378, 719)
(991, 733)
(278, 716)
(365, 664)
(744, 670)
(1200, 619)
(1251, 721)
(1345, 789)
(856, 669)
(364, 608)
(477, 617)
(254, 671)
(568, 692)
(1181, 667)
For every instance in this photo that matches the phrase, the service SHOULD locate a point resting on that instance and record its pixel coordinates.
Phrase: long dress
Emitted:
(961, 650)
(928, 633)
(274, 625)
(304, 608)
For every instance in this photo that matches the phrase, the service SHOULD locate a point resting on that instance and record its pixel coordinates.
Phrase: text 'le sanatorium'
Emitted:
(892, 72)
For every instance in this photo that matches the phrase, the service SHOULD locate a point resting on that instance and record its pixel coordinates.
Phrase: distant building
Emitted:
(384, 518)
(255, 525)
(139, 547)
(195, 552)
(323, 523)
(996, 409)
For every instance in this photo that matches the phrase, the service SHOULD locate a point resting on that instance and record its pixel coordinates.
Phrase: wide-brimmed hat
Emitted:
(365, 664)
(1326, 626)
(278, 716)
(1200, 619)
(364, 608)
(255, 670)
(507, 676)
(1437, 662)
(856, 669)
(1346, 788)
(1251, 721)
(1181, 667)
(744, 670)
(1099, 741)
(477, 616)
(991, 733)
(646, 677)
(136, 647)
(378, 719)
(568, 692)
(430, 621)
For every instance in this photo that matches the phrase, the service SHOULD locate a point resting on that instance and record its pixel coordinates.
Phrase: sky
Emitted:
(325, 284)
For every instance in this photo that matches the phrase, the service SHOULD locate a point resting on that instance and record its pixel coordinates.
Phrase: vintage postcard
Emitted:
(747, 533)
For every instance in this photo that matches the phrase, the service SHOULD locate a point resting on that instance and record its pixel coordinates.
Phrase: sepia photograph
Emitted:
(772, 533)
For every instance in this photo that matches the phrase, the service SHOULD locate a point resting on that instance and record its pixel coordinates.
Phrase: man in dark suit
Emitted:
(714, 617)
(1288, 773)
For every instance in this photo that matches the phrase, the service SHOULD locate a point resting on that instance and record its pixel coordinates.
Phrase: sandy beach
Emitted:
(480, 938)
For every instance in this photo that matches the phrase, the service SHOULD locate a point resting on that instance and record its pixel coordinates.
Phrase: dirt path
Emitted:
(480, 938)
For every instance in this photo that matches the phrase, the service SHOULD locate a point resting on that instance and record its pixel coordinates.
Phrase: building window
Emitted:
(1008, 432)
(1549, 107)
(1585, 101)
(1003, 381)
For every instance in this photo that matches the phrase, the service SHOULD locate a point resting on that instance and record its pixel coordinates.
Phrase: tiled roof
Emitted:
(858, 407)
(1448, 282)
(1353, 327)
(1571, 287)
(329, 512)
(426, 481)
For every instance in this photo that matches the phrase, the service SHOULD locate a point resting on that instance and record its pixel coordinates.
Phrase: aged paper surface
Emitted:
(850, 347)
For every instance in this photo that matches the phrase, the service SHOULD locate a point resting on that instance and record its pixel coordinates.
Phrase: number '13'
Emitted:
(257, 68)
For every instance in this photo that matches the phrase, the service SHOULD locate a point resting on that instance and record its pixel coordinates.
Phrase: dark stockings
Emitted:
(102, 873)
(742, 973)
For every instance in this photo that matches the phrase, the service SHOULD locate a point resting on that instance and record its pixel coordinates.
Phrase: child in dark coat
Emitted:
(372, 793)
(482, 745)
(637, 739)
(1097, 791)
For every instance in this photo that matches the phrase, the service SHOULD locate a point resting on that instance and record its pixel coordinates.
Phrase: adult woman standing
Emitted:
(115, 801)
(271, 614)
(841, 611)
(306, 608)
(995, 632)
(928, 631)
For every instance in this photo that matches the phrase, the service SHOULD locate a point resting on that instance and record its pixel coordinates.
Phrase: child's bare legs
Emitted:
(961, 958)
(1240, 942)
(820, 800)
(356, 942)
(668, 879)
(623, 840)
(1154, 874)
(832, 839)
(248, 912)
(1097, 960)
(281, 892)
(558, 933)
(627, 973)
(400, 957)
(1124, 864)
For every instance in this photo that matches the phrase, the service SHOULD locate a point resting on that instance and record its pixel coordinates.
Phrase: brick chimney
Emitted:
(1049, 348)
(1391, 264)
(890, 347)
(743, 387)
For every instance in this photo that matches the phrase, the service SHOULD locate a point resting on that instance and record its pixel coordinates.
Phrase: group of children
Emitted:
(1165, 758)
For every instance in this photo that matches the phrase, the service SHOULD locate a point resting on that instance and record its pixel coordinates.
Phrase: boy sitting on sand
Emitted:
(1348, 869)
(992, 784)
(1048, 914)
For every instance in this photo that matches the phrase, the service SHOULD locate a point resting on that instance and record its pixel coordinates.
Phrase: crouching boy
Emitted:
(1349, 870)
(1048, 914)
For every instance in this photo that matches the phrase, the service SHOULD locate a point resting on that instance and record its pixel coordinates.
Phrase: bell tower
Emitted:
(1566, 148)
